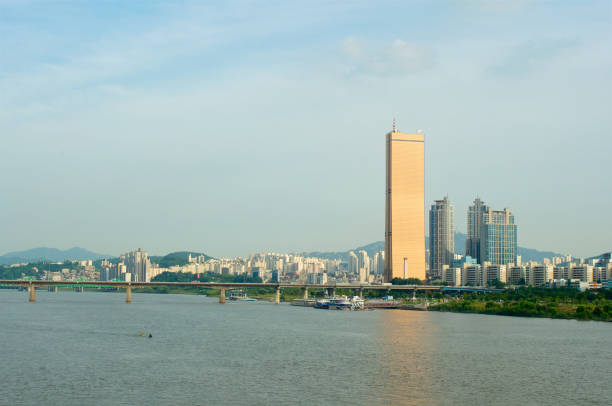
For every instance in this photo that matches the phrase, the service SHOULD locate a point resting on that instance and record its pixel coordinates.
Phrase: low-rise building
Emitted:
(494, 273)
(540, 275)
(471, 275)
(452, 276)
(516, 274)
(582, 272)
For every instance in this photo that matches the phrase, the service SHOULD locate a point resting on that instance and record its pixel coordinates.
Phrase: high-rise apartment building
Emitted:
(353, 263)
(405, 206)
(138, 265)
(364, 263)
(474, 223)
(498, 237)
(441, 237)
(378, 263)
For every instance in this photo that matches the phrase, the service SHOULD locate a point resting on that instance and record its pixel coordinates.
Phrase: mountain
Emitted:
(371, 249)
(530, 254)
(49, 254)
(527, 254)
(176, 258)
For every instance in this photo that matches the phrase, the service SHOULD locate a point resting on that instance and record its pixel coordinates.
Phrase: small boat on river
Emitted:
(239, 295)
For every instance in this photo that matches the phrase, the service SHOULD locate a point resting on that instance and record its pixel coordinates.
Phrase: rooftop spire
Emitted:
(394, 128)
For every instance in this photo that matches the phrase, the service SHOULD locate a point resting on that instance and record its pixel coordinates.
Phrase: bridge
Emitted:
(31, 286)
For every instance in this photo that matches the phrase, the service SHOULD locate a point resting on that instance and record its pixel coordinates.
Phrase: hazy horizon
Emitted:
(242, 127)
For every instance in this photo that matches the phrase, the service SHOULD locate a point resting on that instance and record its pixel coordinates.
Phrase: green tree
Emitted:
(408, 281)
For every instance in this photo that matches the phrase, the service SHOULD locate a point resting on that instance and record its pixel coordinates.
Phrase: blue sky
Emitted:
(243, 126)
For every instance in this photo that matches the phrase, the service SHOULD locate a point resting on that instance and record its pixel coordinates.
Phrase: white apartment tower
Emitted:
(138, 265)
(441, 237)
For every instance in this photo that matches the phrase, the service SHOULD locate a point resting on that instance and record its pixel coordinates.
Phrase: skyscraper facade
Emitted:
(441, 237)
(498, 231)
(405, 206)
(474, 222)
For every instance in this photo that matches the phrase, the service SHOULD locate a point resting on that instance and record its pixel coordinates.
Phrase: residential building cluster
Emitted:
(80, 270)
(269, 267)
(133, 266)
(491, 254)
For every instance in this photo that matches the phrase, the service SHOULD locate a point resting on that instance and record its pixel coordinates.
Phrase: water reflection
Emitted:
(407, 341)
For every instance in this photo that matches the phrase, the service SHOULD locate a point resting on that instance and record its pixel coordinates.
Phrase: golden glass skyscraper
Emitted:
(405, 206)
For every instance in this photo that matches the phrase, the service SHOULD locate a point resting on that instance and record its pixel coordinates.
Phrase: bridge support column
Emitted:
(128, 294)
(305, 293)
(360, 292)
(222, 295)
(331, 292)
(32, 290)
(277, 298)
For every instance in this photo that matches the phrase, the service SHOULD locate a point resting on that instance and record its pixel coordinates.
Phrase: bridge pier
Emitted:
(222, 295)
(305, 293)
(32, 290)
(360, 292)
(331, 292)
(128, 294)
(277, 298)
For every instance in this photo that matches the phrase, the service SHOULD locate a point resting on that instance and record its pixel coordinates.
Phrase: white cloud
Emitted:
(352, 48)
(397, 58)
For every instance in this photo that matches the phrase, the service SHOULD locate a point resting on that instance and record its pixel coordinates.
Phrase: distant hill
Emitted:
(527, 254)
(371, 249)
(176, 258)
(530, 254)
(49, 254)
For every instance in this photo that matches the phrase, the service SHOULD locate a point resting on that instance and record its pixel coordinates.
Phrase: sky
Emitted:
(243, 126)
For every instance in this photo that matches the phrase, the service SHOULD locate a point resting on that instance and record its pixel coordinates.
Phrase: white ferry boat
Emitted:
(341, 303)
(239, 295)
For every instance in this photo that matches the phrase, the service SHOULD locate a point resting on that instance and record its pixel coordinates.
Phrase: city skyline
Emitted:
(172, 126)
(472, 245)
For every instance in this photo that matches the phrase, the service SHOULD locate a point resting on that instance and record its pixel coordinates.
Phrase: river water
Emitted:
(85, 349)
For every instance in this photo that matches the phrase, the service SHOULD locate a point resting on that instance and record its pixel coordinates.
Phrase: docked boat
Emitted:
(341, 303)
(322, 303)
(303, 302)
(239, 295)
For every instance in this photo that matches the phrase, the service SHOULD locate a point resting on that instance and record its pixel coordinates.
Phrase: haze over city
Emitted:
(242, 127)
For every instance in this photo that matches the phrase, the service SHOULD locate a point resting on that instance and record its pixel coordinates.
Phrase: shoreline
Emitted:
(513, 312)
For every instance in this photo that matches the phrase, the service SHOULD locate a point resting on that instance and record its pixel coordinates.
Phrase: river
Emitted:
(73, 348)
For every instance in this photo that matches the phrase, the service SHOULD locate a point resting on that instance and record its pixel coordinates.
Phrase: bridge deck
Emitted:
(213, 285)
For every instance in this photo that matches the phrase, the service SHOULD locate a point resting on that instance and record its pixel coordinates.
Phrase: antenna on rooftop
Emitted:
(394, 128)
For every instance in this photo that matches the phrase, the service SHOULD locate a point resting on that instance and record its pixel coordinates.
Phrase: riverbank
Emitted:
(595, 312)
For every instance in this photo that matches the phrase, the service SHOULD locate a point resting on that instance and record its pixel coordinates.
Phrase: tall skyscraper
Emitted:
(474, 222)
(498, 231)
(441, 237)
(405, 206)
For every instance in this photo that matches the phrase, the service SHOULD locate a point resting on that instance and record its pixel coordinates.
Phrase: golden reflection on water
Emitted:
(407, 364)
